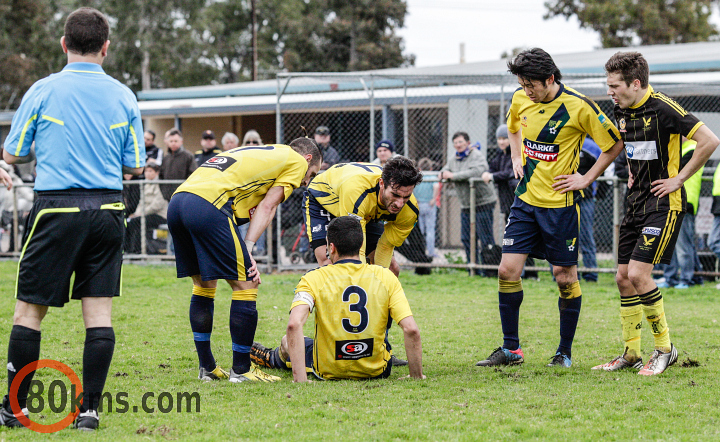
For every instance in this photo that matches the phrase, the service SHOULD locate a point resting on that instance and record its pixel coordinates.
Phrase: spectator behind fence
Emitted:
(588, 156)
(384, 150)
(152, 152)
(252, 138)
(426, 194)
(178, 164)
(209, 147)
(155, 214)
(681, 270)
(25, 197)
(330, 154)
(229, 141)
(714, 237)
(501, 173)
(470, 163)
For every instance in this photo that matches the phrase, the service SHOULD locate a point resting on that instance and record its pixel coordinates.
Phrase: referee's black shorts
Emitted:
(72, 231)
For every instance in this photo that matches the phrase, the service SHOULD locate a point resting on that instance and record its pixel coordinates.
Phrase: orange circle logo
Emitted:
(15, 405)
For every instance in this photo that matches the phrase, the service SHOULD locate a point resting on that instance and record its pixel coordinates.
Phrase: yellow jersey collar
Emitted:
(644, 99)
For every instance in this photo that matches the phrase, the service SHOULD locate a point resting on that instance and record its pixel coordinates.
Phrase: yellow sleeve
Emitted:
(396, 231)
(399, 306)
(383, 252)
(513, 120)
(292, 175)
(599, 127)
(304, 285)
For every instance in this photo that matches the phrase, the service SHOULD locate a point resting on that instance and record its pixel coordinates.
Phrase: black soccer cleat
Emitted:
(7, 418)
(397, 362)
(261, 355)
(503, 356)
(87, 421)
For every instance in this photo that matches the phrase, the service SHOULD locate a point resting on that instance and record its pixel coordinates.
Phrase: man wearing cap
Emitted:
(330, 154)
(384, 150)
(209, 148)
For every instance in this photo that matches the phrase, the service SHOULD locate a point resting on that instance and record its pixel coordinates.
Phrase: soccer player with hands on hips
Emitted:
(353, 302)
(241, 185)
(547, 123)
(652, 126)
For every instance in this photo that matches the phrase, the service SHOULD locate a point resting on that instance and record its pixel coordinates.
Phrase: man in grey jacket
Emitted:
(470, 163)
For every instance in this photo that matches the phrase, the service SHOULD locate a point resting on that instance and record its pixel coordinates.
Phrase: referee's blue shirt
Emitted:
(85, 125)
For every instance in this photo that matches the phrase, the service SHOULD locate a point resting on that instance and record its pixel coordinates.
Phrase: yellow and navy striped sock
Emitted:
(510, 296)
(569, 304)
(631, 319)
(652, 302)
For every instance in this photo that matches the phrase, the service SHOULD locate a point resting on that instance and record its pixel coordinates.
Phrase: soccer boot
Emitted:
(619, 363)
(87, 421)
(560, 360)
(397, 362)
(215, 375)
(255, 374)
(7, 418)
(261, 355)
(503, 356)
(659, 361)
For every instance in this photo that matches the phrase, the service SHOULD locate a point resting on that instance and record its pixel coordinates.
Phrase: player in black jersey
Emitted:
(652, 126)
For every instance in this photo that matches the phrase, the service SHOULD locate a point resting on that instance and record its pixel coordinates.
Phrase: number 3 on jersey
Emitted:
(358, 307)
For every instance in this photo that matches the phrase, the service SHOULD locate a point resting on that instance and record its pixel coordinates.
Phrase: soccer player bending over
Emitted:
(547, 124)
(652, 126)
(352, 303)
(234, 187)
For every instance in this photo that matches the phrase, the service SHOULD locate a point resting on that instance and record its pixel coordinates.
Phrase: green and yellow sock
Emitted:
(652, 303)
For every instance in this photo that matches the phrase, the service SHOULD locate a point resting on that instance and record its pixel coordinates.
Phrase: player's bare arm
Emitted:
(413, 346)
(576, 181)
(707, 142)
(260, 221)
(516, 152)
(296, 341)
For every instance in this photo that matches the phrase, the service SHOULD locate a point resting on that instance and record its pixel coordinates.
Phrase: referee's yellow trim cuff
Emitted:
(510, 286)
(245, 295)
(207, 293)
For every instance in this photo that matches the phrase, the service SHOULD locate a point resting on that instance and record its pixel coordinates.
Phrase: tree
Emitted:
(631, 22)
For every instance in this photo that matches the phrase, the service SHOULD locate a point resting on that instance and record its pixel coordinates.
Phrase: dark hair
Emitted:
(534, 64)
(345, 232)
(401, 171)
(154, 166)
(461, 134)
(631, 66)
(305, 146)
(174, 131)
(148, 131)
(86, 31)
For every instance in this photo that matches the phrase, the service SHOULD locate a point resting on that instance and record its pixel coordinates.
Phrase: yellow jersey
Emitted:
(353, 189)
(237, 180)
(352, 303)
(552, 136)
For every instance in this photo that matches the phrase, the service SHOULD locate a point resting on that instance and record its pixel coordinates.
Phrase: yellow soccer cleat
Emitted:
(255, 374)
(215, 375)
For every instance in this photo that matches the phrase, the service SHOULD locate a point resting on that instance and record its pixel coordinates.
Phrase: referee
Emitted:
(85, 126)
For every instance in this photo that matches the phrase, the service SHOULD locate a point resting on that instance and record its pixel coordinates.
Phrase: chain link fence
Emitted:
(419, 115)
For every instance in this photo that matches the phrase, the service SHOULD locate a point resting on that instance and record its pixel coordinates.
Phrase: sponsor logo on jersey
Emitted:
(604, 121)
(317, 228)
(641, 150)
(651, 231)
(541, 151)
(219, 163)
(353, 349)
(508, 241)
(251, 212)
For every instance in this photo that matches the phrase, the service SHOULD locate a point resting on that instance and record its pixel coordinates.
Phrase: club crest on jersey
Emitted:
(647, 243)
(622, 125)
(570, 243)
(554, 125)
(353, 349)
(523, 121)
(655, 231)
(219, 163)
(646, 123)
(541, 151)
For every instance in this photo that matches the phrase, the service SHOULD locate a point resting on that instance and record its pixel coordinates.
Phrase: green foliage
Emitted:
(630, 22)
(459, 322)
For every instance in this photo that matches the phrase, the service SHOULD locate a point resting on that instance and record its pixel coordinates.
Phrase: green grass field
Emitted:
(460, 324)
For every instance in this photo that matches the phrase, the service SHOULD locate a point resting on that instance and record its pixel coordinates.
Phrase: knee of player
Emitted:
(638, 277)
(565, 275)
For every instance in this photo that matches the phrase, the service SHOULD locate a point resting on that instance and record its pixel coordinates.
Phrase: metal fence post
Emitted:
(473, 235)
(143, 220)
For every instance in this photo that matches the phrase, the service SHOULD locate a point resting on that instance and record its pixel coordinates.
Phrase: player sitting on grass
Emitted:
(352, 303)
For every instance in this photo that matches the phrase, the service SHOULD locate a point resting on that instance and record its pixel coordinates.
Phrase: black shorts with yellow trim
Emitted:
(78, 231)
(544, 233)
(207, 240)
(649, 237)
(317, 218)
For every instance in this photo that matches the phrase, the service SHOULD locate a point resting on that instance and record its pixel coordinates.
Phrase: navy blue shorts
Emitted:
(543, 233)
(310, 346)
(207, 242)
(319, 218)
